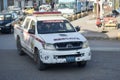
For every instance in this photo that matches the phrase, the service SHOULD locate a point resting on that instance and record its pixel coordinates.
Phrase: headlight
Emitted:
(85, 44)
(48, 46)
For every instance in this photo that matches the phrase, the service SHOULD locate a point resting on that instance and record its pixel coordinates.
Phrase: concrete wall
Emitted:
(5, 3)
(19, 3)
(10, 2)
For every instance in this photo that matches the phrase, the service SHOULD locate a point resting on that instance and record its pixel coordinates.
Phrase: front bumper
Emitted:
(5, 28)
(53, 57)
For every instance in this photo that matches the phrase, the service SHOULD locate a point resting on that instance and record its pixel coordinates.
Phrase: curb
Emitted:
(105, 49)
(101, 38)
(118, 35)
(95, 36)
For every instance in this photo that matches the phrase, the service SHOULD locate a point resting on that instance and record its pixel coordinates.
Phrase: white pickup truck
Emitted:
(49, 38)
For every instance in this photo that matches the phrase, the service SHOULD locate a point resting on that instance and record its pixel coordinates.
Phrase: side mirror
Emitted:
(21, 19)
(77, 28)
(31, 31)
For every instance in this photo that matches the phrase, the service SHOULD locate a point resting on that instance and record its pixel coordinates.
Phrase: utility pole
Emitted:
(119, 3)
(0, 6)
(5, 4)
(100, 11)
(114, 1)
(101, 8)
(97, 8)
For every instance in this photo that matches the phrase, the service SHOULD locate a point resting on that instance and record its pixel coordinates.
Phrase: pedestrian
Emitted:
(42, 9)
(52, 6)
(98, 22)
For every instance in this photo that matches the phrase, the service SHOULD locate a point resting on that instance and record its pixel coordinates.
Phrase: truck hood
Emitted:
(62, 37)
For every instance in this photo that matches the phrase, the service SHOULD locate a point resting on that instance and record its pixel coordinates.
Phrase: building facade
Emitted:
(19, 3)
(22, 3)
(5, 3)
(1, 5)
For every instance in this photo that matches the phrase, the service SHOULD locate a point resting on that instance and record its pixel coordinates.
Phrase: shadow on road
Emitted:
(94, 34)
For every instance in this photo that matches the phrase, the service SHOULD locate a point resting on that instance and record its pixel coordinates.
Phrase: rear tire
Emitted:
(40, 65)
(19, 47)
(82, 63)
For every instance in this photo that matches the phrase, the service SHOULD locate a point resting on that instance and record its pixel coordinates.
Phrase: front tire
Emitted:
(19, 47)
(82, 63)
(40, 65)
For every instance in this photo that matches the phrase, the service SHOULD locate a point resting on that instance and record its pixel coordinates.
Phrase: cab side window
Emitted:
(32, 25)
(27, 23)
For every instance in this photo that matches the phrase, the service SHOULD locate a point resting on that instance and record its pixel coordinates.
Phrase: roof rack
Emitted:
(47, 14)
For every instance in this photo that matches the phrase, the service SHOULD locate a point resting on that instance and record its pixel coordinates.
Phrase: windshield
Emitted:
(66, 5)
(5, 17)
(8, 17)
(54, 26)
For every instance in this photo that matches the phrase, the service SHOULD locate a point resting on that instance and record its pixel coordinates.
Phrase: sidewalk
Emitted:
(90, 30)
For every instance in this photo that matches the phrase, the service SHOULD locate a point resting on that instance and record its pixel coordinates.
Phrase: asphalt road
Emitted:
(8, 42)
(105, 65)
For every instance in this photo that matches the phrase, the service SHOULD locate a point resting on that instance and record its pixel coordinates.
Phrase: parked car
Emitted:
(46, 7)
(6, 22)
(117, 12)
(109, 22)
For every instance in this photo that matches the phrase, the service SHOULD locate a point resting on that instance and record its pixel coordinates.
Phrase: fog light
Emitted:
(55, 57)
(46, 57)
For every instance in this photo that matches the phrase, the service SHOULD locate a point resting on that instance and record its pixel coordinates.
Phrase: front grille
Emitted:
(1, 26)
(72, 55)
(68, 45)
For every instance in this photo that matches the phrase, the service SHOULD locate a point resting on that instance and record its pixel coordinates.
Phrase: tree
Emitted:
(48, 1)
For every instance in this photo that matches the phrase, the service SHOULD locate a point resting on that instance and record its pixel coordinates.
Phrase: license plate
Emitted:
(70, 59)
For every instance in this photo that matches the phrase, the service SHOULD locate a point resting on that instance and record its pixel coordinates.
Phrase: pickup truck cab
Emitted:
(49, 38)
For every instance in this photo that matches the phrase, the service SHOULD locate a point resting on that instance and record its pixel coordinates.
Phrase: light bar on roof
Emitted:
(47, 13)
